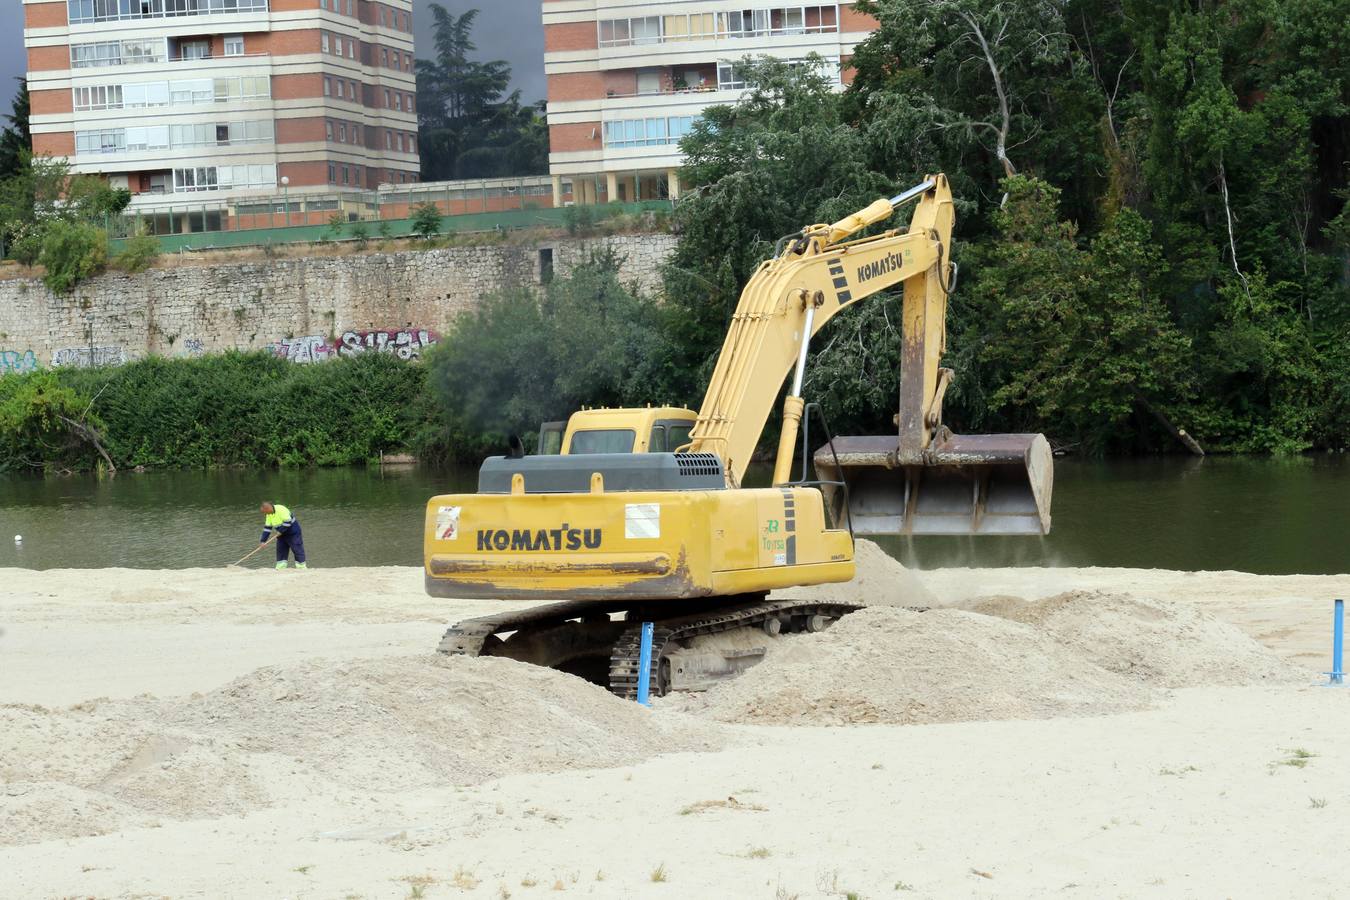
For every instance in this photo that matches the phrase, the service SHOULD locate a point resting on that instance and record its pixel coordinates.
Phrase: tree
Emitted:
(520, 359)
(468, 126)
(963, 72)
(16, 139)
(1057, 336)
(779, 159)
(426, 220)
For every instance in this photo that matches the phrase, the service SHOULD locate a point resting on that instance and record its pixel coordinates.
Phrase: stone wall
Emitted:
(304, 309)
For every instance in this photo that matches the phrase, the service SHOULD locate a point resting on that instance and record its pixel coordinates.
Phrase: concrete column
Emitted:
(557, 191)
(673, 182)
(612, 186)
(637, 189)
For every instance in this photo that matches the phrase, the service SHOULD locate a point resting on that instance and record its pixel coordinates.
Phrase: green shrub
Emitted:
(72, 252)
(361, 233)
(578, 219)
(426, 220)
(245, 409)
(138, 253)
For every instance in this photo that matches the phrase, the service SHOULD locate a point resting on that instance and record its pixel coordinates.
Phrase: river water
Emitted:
(1271, 516)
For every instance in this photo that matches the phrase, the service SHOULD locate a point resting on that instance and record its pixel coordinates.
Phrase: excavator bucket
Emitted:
(962, 484)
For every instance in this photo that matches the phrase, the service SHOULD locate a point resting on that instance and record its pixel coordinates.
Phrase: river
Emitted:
(1269, 516)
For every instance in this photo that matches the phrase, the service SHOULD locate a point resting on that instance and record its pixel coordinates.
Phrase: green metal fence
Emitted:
(507, 220)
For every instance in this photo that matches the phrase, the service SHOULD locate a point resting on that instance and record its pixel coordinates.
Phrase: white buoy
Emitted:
(18, 539)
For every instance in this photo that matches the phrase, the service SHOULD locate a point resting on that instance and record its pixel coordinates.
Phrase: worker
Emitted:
(279, 519)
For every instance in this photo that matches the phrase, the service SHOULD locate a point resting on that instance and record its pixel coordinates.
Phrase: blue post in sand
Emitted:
(645, 665)
(1337, 643)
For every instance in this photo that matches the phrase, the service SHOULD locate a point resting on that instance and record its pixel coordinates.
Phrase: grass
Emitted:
(1184, 770)
(303, 870)
(659, 874)
(528, 881)
(729, 803)
(783, 894)
(417, 885)
(464, 879)
(1297, 757)
(599, 874)
(1317, 802)
(903, 886)
(758, 853)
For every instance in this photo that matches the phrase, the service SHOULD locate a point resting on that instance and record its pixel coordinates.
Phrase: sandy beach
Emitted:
(1066, 732)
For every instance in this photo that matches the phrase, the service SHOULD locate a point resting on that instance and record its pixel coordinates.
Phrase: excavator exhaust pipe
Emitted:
(960, 484)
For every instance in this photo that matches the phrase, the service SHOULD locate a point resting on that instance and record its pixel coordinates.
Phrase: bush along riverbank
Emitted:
(237, 409)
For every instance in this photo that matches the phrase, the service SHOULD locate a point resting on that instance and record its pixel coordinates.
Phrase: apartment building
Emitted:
(627, 79)
(205, 103)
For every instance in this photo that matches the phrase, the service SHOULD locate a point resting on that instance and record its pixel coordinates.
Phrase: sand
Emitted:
(1075, 732)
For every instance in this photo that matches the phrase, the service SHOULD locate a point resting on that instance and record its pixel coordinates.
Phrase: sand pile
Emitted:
(322, 727)
(896, 666)
(1156, 641)
(880, 581)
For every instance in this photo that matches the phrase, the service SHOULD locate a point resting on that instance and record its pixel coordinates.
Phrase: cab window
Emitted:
(677, 436)
(615, 440)
(658, 442)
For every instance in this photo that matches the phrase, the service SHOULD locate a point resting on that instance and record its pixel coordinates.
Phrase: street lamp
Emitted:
(286, 197)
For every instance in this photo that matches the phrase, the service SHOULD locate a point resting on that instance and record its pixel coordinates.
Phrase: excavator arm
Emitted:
(923, 479)
(792, 296)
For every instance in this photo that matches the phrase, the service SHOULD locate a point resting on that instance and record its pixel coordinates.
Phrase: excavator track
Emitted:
(581, 638)
(624, 662)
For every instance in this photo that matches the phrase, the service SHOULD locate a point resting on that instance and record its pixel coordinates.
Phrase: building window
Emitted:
(323, 4)
(234, 45)
(332, 174)
(647, 132)
(381, 16)
(408, 105)
(117, 53)
(328, 129)
(412, 144)
(85, 11)
(344, 176)
(407, 62)
(398, 102)
(351, 50)
(194, 50)
(356, 91)
(356, 176)
(388, 140)
(388, 99)
(323, 41)
(384, 57)
(342, 132)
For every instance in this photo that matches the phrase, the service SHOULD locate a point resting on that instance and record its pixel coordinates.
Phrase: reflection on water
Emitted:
(1257, 515)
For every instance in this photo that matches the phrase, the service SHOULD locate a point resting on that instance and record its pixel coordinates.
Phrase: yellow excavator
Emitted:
(639, 517)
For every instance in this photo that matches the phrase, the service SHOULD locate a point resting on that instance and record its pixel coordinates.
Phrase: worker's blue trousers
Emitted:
(291, 541)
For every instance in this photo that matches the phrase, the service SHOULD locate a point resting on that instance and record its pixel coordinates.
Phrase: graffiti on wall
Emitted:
(14, 361)
(307, 349)
(193, 348)
(88, 357)
(406, 343)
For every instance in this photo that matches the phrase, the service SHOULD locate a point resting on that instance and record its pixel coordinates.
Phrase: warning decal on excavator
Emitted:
(447, 523)
(641, 520)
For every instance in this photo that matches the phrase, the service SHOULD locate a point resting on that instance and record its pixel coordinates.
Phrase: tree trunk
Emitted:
(1180, 434)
